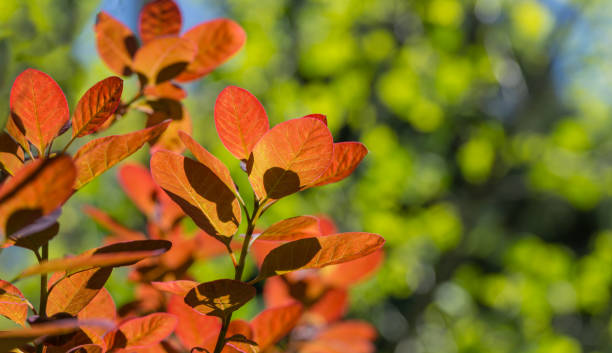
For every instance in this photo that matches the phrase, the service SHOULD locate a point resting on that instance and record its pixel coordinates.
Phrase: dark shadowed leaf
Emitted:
(13, 304)
(319, 252)
(39, 105)
(290, 157)
(240, 120)
(116, 44)
(96, 105)
(271, 325)
(29, 195)
(87, 348)
(99, 155)
(292, 229)
(74, 292)
(347, 156)
(34, 235)
(159, 18)
(11, 155)
(162, 59)
(220, 297)
(216, 41)
(198, 191)
(17, 132)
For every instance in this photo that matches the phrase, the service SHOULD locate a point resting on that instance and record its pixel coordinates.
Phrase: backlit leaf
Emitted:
(101, 306)
(271, 325)
(11, 155)
(111, 225)
(332, 305)
(144, 331)
(348, 336)
(159, 18)
(320, 117)
(319, 252)
(96, 106)
(39, 105)
(179, 287)
(220, 297)
(99, 155)
(13, 304)
(87, 348)
(290, 157)
(162, 59)
(180, 120)
(74, 292)
(347, 156)
(116, 44)
(217, 41)
(240, 120)
(166, 89)
(349, 273)
(30, 195)
(198, 191)
(193, 328)
(137, 183)
(292, 229)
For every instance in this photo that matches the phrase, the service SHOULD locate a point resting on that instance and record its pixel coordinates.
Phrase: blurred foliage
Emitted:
(488, 124)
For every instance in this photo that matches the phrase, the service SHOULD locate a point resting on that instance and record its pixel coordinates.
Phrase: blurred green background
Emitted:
(489, 173)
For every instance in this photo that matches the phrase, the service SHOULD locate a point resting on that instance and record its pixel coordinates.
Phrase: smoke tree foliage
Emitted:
(305, 265)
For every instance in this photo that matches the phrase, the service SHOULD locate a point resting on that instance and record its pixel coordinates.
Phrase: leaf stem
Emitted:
(42, 308)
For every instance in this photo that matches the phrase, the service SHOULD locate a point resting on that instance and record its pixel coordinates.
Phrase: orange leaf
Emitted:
(11, 155)
(137, 183)
(240, 120)
(193, 329)
(271, 325)
(290, 157)
(116, 44)
(166, 89)
(30, 195)
(217, 41)
(163, 109)
(276, 292)
(348, 273)
(13, 304)
(159, 18)
(332, 305)
(179, 287)
(87, 348)
(348, 336)
(39, 105)
(99, 155)
(101, 306)
(96, 106)
(162, 59)
(74, 292)
(144, 331)
(347, 156)
(319, 252)
(320, 117)
(220, 297)
(198, 191)
(292, 229)
(111, 225)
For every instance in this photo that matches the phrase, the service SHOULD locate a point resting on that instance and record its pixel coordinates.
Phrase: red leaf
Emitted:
(347, 156)
(163, 109)
(11, 154)
(349, 336)
(290, 157)
(193, 329)
(198, 191)
(116, 44)
(292, 229)
(137, 183)
(159, 18)
(276, 292)
(144, 331)
(74, 292)
(220, 297)
(162, 59)
(319, 252)
(111, 225)
(99, 155)
(320, 117)
(96, 106)
(101, 306)
(332, 305)
(271, 325)
(240, 120)
(13, 304)
(217, 41)
(347, 274)
(29, 195)
(39, 105)
(179, 287)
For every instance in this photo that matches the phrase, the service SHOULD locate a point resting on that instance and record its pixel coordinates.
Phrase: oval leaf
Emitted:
(99, 155)
(159, 18)
(101, 306)
(193, 328)
(292, 229)
(240, 120)
(29, 194)
(116, 44)
(220, 297)
(216, 41)
(319, 252)
(198, 191)
(290, 157)
(96, 106)
(39, 105)
(162, 59)
(144, 331)
(74, 292)
(13, 304)
(347, 156)
(271, 325)
(34, 235)
(349, 273)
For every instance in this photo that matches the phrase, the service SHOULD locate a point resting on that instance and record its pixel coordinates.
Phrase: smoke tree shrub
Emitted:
(305, 264)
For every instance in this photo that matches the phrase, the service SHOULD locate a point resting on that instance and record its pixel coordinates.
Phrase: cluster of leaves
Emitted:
(76, 313)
